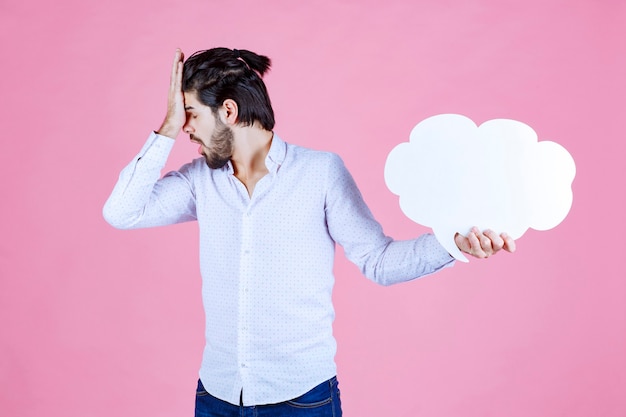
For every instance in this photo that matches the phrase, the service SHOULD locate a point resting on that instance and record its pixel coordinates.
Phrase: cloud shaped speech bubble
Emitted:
(453, 175)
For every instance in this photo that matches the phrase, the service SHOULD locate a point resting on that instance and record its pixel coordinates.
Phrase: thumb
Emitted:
(462, 242)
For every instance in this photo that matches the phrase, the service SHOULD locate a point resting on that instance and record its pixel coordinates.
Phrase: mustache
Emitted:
(197, 140)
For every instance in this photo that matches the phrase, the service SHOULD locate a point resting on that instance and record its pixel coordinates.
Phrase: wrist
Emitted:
(168, 130)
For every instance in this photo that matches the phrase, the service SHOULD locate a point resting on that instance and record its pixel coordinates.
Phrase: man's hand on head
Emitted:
(176, 117)
(484, 244)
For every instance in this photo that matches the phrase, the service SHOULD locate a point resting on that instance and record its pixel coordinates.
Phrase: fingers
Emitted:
(462, 243)
(178, 58)
(509, 243)
(496, 242)
(179, 75)
(175, 117)
(479, 247)
(484, 244)
(176, 77)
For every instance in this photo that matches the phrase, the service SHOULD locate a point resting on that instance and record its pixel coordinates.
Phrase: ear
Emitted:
(229, 112)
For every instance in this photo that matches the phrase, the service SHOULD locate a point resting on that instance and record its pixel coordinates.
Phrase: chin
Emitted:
(215, 163)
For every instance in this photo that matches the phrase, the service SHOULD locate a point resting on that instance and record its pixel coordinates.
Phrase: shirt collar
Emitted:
(276, 155)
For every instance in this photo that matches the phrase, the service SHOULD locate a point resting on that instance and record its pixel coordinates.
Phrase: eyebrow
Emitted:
(189, 108)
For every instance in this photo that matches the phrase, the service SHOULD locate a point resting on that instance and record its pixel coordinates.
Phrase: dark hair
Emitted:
(219, 74)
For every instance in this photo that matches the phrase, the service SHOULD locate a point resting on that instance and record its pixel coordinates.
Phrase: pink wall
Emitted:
(99, 322)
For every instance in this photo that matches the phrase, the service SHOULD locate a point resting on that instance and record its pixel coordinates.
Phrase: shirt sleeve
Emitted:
(142, 199)
(380, 258)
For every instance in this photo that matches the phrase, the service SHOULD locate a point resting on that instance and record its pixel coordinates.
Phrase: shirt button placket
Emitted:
(244, 307)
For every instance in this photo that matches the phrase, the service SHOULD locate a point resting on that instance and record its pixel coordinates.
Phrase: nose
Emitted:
(187, 128)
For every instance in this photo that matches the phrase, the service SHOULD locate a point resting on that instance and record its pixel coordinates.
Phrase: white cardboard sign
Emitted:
(453, 175)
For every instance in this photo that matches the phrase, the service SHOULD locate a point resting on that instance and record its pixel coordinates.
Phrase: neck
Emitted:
(250, 150)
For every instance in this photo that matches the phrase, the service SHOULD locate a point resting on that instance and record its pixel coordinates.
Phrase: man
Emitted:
(269, 215)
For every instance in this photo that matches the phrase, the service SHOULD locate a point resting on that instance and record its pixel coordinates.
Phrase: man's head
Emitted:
(223, 83)
(206, 128)
(219, 74)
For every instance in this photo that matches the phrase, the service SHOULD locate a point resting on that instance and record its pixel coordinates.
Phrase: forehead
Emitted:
(192, 102)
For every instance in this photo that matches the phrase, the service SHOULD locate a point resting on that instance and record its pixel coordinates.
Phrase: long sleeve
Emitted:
(380, 258)
(141, 199)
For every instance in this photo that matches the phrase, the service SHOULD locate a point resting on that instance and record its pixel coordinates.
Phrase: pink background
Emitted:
(99, 322)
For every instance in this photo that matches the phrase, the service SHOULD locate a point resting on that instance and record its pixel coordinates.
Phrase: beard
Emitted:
(220, 148)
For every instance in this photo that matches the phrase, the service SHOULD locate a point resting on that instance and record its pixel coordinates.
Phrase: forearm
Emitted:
(127, 205)
(405, 260)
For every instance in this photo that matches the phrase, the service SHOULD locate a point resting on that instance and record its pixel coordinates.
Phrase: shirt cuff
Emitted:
(156, 148)
(439, 253)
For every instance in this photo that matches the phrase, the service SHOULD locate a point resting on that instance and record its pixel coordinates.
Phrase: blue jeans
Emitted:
(321, 401)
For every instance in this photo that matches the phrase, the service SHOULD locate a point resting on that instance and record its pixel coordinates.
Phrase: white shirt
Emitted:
(267, 260)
